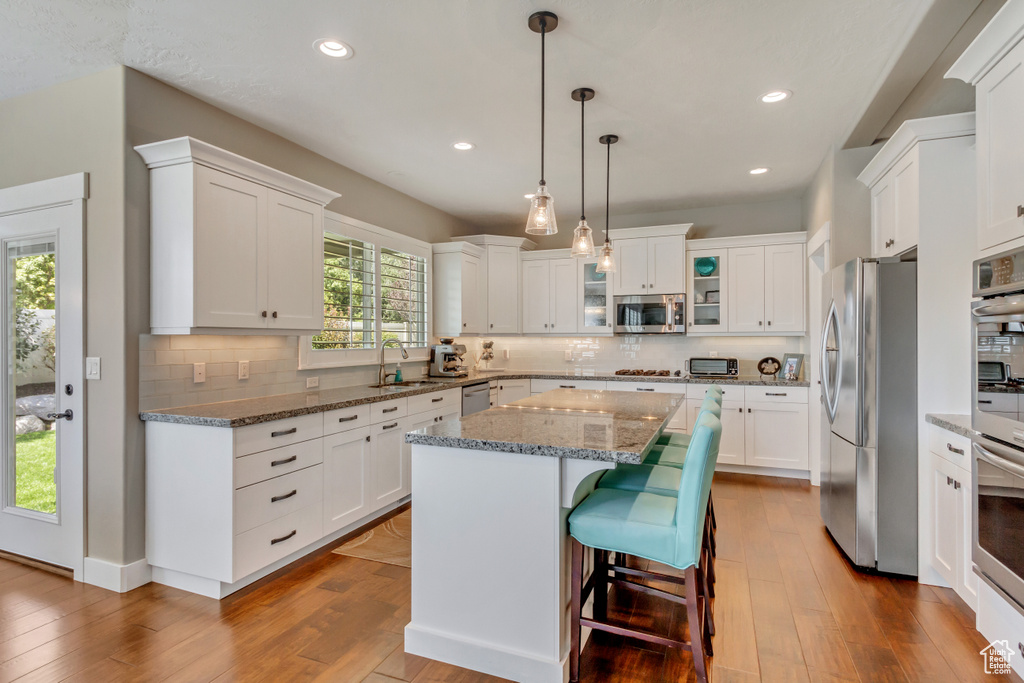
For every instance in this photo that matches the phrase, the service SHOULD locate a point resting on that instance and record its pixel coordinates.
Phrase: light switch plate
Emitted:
(713, 354)
(243, 369)
(92, 368)
(198, 373)
(312, 382)
(506, 353)
(568, 354)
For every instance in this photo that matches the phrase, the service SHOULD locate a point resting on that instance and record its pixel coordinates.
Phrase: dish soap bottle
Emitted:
(398, 373)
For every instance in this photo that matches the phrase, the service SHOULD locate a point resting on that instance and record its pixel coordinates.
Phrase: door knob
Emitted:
(66, 415)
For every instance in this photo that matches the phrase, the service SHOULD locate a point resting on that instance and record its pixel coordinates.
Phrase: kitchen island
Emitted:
(490, 551)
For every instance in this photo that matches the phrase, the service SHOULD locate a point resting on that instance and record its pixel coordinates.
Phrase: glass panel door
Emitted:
(595, 314)
(31, 353)
(706, 295)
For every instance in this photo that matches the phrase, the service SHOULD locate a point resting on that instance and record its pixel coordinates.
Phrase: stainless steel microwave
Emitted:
(650, 314)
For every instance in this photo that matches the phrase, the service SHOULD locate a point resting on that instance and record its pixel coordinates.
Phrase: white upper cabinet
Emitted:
(550, 294)
(784, 290)
(459, 288)
(500, 276)
(650, 260)
(746, 289)
(994, 64)
(913, 175)
(536, 296)
(707, 287)
(564, 298)
(235, 245)
(594, 303)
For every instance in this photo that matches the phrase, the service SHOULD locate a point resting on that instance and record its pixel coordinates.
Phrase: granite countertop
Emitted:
(958, 424)
(1000, 389)
(266, 409)
(610, 426)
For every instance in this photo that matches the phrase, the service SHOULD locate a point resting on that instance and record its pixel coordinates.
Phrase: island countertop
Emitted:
(609, 426)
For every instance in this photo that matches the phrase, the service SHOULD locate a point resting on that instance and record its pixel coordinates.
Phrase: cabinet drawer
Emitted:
(947, 444)
(344, 419)
(267, 435)
(277, 462)
(258, 504)
(776, 394)
(435, 400)
(649, 387)
(388, 410)
(729, 392)
(539, 386)
(279, 538)
(990, 402)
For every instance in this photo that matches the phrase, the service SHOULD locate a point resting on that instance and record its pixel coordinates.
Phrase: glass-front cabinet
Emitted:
(706, 291)
(595, 316)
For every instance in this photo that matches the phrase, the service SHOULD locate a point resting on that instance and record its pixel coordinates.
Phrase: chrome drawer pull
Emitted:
(287, 495)
(285, 432)
(285, 461)
(985, 402)
(958, 451)
(391, 426)
(768, 393)
(275, 541)
(348, 419)
(643, 389)
(389, 410)
(436, 400)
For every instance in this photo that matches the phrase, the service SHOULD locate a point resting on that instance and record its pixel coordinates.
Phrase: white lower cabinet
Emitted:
(347, 478)
(510, 390)
(389, 472)
(731, 448)
(950, 525)
(679, 420)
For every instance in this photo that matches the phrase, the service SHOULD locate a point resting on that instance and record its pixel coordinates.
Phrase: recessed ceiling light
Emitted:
(758, 171)
(463, 146)
(775, 96)
(334, 48)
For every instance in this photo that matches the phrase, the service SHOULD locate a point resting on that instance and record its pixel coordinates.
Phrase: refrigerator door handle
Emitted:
(830, 384)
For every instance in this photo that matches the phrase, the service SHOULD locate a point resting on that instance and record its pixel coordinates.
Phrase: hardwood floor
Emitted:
(789, 608)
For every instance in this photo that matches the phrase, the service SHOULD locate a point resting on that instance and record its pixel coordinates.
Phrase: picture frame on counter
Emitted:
(792, 366)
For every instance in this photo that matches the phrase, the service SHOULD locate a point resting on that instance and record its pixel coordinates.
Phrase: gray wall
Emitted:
(837, 197)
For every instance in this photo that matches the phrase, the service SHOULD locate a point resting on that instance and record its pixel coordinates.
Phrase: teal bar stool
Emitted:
(665, 529)
(683, 440)
(712, 403)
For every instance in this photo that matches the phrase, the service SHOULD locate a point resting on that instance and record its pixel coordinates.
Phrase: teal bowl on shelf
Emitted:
(705, 265)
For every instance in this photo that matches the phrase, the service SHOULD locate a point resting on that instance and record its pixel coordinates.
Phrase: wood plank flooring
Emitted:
(789, 608)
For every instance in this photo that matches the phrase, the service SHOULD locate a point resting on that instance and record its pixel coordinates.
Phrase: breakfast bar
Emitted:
(490, 551)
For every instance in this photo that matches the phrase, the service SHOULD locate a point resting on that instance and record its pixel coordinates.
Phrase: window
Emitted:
(376, 286)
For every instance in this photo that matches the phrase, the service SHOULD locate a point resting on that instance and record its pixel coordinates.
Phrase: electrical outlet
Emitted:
(243, 369)
(713, 354)
(312, 382)
(199, 372)
(506, 354)
(92, 368)
(568, 354)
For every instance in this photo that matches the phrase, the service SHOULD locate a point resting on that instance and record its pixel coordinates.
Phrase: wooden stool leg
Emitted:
(709, 563)
(694, 617)
(709, 616)
(709, 626)
(576, 609)
(713, 527)
(601, 585)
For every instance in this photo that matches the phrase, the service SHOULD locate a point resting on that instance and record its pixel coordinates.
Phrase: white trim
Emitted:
(383, 237)
(747, 240)
(44, 194)
(458, 248)
(651, 231)
(819, 238)
(119, 578)
(999, 36)
(764, 471)
(186, 150)
(909, 134)
(497, 241)
(545, 254)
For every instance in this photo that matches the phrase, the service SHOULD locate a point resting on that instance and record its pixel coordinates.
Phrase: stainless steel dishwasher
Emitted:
(476, 397)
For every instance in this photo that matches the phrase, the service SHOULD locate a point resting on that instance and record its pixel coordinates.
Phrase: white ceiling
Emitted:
(677, 80)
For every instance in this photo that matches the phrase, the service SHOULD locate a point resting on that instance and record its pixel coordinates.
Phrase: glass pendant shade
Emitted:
(583, 240)
(606, 261)
(541, 220)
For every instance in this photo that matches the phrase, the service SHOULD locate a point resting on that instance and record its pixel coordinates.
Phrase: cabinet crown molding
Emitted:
(456, 248)
(651, 231)
(909, 134)
(1001, 35)
(186, 150)
(497, 241)
(747, 241)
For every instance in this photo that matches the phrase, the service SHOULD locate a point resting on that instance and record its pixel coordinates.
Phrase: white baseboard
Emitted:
(764, 471)
(120, 578)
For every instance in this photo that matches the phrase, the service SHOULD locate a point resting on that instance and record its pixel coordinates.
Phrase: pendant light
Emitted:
(541, 220)
(582, 236)
(606, 261)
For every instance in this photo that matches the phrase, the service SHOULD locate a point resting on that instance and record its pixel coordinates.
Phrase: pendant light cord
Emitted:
(543, 31)
(607, 191)
(583, 184)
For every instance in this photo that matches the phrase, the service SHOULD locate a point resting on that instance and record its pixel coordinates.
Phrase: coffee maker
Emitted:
(446, 359)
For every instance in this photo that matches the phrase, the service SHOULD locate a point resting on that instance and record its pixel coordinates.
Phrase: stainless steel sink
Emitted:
(407, 385)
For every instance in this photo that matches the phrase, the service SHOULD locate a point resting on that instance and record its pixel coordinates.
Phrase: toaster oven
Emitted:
(714, 367)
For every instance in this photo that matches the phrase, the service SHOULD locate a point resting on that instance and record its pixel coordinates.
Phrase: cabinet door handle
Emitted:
(949, 481)
(440, 418)
(367, 439)
(437, 400)
(284, 497)
(285, 432)
(651, 286)
(263, 313)
(566, 386)
(748, 410)
(463, 324)
(390, 426)
(985, 402)
(274, 314)
(275, 541)
(768, 393)
(769, 323)
(350, 418)
(644, 389)
(545, 325)
(285, 461)
(1020, 210)
(759, 323)
(741, 410)
(956, 485)
(958, 451)
(492, 324)
(389, 410)
(643, 286)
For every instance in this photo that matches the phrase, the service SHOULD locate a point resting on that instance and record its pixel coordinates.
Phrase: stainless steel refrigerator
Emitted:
(869, 391)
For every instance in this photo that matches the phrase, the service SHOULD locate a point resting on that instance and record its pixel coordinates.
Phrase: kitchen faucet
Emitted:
(381, 377)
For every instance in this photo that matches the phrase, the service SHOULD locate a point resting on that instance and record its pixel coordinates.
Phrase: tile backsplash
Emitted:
(166, 361)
